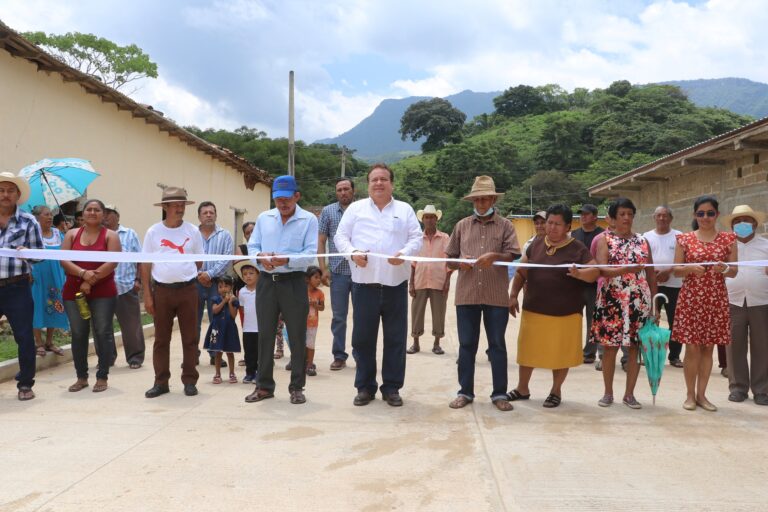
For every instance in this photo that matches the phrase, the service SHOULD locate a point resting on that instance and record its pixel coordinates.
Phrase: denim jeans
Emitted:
(495, 320)
(17, 306)
(341, 287)
(371, 305)
(102, 312)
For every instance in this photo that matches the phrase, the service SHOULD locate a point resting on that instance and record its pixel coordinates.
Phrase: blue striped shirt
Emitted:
(125, 273)
(329, 223)
(220, 242)
(22, 230)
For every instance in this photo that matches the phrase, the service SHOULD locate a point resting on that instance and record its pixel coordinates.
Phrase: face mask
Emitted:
(486, 214)
(743, 229)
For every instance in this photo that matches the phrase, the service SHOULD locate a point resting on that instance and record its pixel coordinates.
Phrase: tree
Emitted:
(435, 119)
(101, 58)
(520, 101)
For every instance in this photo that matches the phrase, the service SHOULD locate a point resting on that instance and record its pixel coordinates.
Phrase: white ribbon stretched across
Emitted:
(144, 257)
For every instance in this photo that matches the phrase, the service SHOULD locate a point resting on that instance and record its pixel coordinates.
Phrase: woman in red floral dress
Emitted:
(702, 318)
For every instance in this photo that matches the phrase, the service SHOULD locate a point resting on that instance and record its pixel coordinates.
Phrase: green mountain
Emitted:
(735, 94)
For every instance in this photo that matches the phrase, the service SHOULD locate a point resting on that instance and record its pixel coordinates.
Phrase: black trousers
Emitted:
(251, 349)
(674, 347)
(286, 297)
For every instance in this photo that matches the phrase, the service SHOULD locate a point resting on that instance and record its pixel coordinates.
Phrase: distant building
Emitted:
(50, 110)
(732, 166)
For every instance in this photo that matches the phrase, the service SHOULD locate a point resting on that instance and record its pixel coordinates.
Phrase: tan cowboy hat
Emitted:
(174, 195)
(743, 210)
(483, 186)
(21, 184)
(542, 214)
(238, 267)
(429, 210)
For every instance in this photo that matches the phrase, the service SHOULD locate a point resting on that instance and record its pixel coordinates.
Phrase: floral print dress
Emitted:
(623, 302)
(703, 316)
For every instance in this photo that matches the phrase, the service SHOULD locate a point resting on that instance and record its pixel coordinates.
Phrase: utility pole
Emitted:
(531, 191)
(291, 143)
(343, 161)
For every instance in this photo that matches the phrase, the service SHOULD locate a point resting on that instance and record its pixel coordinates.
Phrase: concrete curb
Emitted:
(10, 367)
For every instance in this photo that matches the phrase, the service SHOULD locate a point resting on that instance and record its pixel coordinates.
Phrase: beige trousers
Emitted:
(437, 301)
(749, 332)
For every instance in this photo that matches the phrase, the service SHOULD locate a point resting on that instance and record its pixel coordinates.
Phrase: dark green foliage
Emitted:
(435, 119)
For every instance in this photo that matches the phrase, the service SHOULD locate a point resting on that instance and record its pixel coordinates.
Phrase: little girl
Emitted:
(222, 335)
(316, 304)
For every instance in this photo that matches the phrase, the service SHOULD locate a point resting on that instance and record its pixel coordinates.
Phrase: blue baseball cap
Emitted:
(284, 186)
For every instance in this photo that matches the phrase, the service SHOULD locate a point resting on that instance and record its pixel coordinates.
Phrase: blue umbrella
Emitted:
(57, 180)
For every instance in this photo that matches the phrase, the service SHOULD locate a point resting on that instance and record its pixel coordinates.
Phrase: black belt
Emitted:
(14, 279)
(276, 277)
(182, 284)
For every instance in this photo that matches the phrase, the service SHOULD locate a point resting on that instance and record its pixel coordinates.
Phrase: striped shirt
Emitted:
(471, 238)
(329, 223)
(125, 273)
(220, 242)
(22, 230)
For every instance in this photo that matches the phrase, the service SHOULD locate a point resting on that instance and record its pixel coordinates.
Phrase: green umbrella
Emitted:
(654, 341)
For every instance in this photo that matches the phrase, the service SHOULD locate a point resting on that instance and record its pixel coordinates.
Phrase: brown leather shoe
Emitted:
(338, 364)
(258, 395)
(297, 397)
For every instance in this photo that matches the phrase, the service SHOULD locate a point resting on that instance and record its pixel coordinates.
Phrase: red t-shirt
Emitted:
(104, 287)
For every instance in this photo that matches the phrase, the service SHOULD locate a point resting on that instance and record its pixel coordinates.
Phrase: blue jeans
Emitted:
(204, 296)
(102, 313)
(495, 320)
(371, 305)
(341, 287)
(17, 306)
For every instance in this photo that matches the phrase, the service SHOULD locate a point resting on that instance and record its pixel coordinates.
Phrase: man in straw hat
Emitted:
(748, 297)
(174, 293)
(482, 290)
(18, 230)
(429, 281)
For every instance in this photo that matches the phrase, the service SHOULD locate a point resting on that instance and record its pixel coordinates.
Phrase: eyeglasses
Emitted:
(708, 213)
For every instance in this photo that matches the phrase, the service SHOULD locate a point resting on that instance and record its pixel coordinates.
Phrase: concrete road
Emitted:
(118, 451)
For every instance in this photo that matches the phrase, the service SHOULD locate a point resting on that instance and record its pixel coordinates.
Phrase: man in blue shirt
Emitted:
(279, 236)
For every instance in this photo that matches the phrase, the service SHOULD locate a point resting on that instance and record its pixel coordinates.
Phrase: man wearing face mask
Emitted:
(748, 297)
(481, 290)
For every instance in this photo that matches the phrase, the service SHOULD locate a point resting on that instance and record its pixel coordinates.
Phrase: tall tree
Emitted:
(435, 119)
(520, 101)
(114, 65)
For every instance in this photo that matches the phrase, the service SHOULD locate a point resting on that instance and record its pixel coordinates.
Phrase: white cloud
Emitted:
(34, 15)
(331, 114)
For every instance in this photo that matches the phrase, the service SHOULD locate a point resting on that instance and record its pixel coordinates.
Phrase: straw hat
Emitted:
(429, 210)
(21, 184)
(542, 214)
(483, 186)
(743, 210)
(174, 195)
(238, 267)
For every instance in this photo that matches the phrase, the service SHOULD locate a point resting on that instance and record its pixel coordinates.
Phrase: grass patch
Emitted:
(9, 349)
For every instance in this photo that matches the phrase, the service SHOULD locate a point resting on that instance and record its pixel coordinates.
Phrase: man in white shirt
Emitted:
(662, 241)
(748, 296)
(174, 293)
(383, 225)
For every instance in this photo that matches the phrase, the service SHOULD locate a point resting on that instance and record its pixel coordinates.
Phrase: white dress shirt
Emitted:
(390, 230)
(750, 283)
(663, 251)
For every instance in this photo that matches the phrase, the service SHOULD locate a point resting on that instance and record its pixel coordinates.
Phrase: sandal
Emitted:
(232, 378)
(552, 401)
(258, 395)
(459, 402)
(26, 393)
(502, 404)
(217, 379)
(516, 395)
(40, 351)
(437, 349)
(278, 353)
(78, 386)
(297, 397)
(241, 362)
(53, 348)
(413, 349)
(135, 366)
(101, 385)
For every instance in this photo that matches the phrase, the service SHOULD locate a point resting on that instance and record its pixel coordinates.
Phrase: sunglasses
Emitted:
(708, 213)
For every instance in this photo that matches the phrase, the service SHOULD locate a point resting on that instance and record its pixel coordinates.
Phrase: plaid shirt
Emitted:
(329, 223)
(22, 231)
(220, 242)
(125, 273)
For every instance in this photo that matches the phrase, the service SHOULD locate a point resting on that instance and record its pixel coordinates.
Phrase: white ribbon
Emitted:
(165, 257)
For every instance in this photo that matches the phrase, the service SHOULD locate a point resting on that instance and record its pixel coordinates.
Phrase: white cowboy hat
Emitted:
(21, 184)
(429, 210)
(743, 210)
(483, 186)
(238, 267)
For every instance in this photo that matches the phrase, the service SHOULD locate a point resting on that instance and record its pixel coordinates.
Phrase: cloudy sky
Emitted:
(225, 63)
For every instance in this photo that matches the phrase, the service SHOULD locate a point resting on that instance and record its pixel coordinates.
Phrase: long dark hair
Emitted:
(700, 201)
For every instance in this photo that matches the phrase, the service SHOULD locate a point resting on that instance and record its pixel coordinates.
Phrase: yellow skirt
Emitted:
(552, 342)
